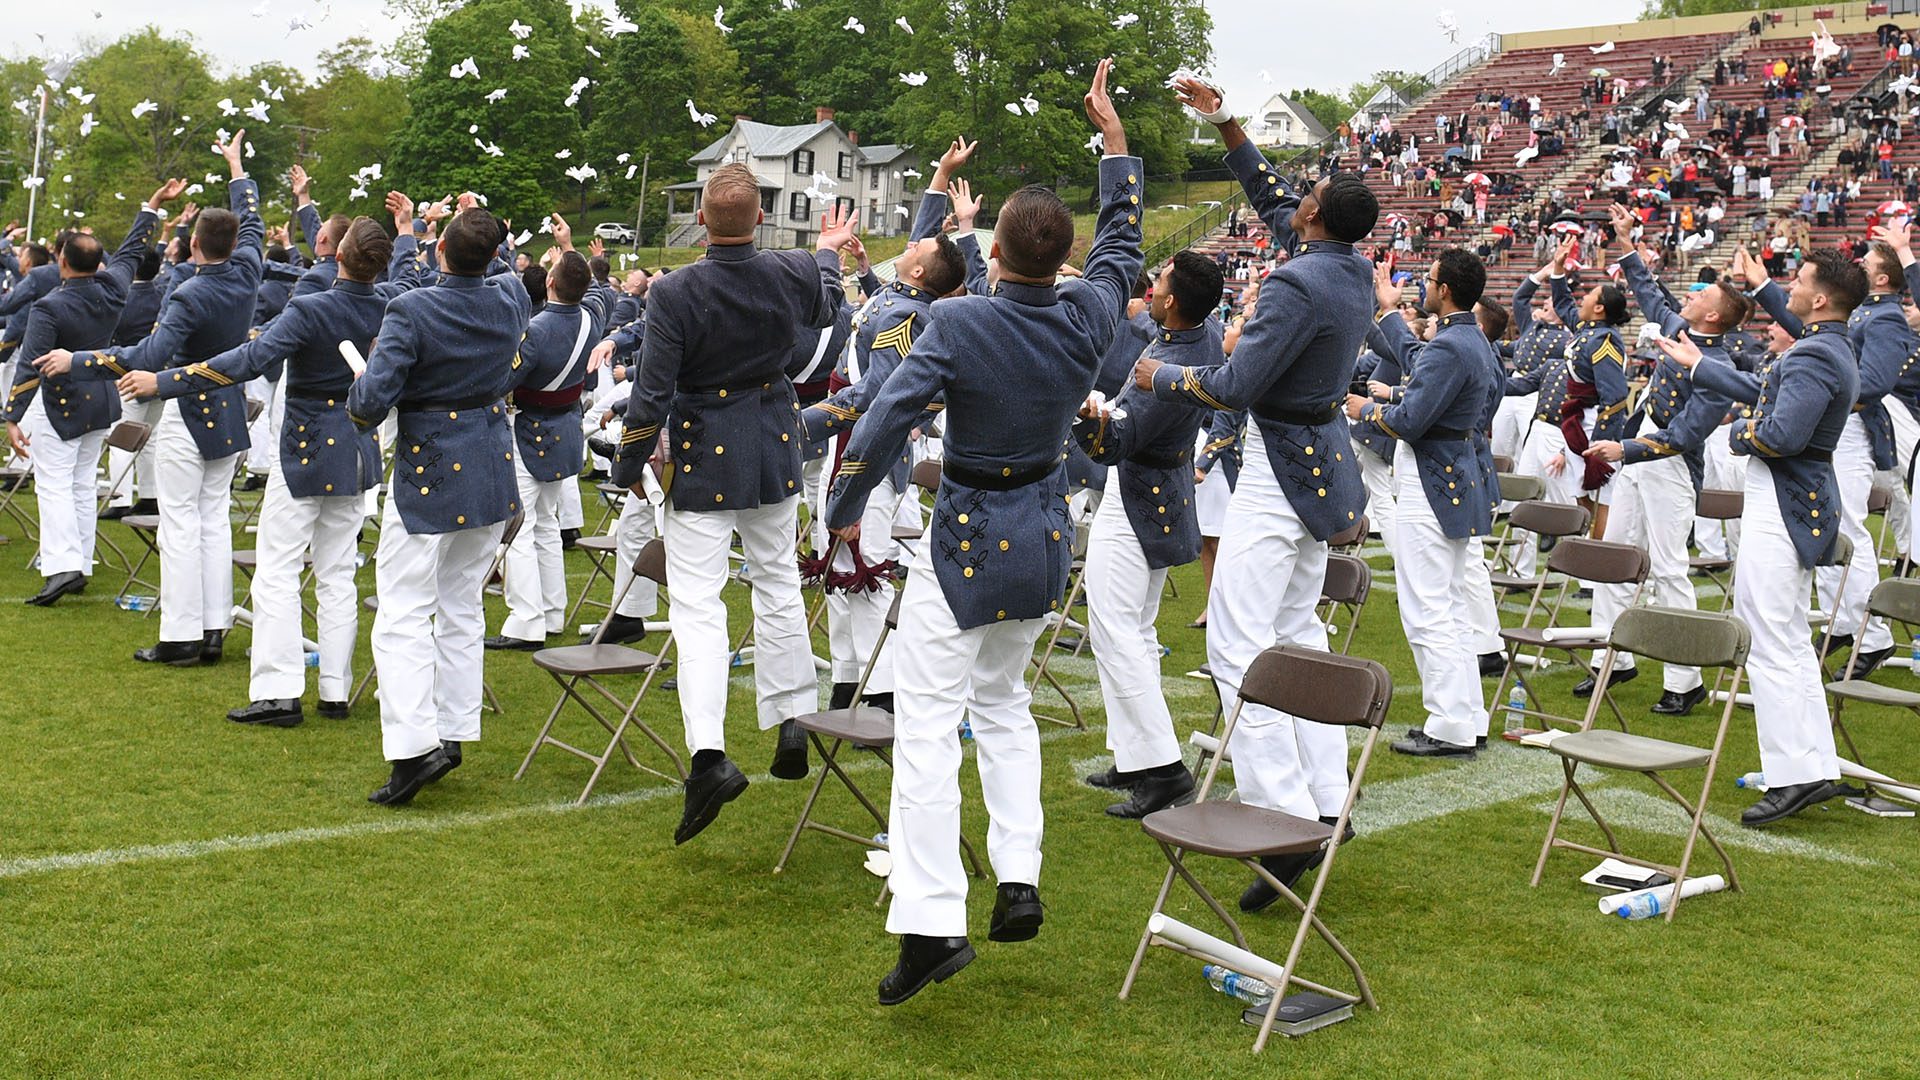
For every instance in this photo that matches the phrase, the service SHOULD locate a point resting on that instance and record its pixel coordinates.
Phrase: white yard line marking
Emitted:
(1645, 812)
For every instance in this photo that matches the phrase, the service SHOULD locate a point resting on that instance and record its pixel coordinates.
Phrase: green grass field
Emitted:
(183, 896)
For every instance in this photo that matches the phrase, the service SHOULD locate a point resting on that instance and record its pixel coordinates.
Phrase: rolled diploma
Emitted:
(1573, 633)
(351, 354)
(1880, 780)
(1694, 886)
(1233, 956)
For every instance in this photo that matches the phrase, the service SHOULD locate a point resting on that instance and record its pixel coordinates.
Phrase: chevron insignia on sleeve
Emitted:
(209, 374)
(899, 338)
(1607, 350)
(630, 436)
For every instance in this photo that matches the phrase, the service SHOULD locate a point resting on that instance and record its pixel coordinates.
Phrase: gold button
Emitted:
(966, 545)
(686, 423)
(1323, 494)
(686, 468)
(1132, 179)
(1156, 491)
(456, 466)
(303, 446)
(1056, 534)
(1134, 199)
(419, 469)
(209, 423)
(1316, 470)
(203, 397)
(1000, 614)
(962, 519)
(717, 497)
(1815, 513)
(329, 442)
(686, 446)
(416, 449)
(1309, 451)
(423, 491)
(329, 487)
(1006, 472)
(1166, 528)
(453, 416)
(719, 449)
(303, 461)
(1816, 532)
(1349, 515)
(1004, 545)
(1449, 468)
(1162, 509)
(784, 437)
(789, 483)
(723, 393)
(329, 403)
(1456, 502)
(461, 520)
(303, 427)
(968, 572)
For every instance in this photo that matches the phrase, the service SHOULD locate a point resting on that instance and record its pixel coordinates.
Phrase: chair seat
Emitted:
(612, 491)
(905, 533)
(602, 544)
(1535, 637)
(861, 724)
(1633, 753)
(141, 521)
(1233, 830)
(1509, 583)
(1874, 694)
(593, 660)
(249, 558)
(1708, 563)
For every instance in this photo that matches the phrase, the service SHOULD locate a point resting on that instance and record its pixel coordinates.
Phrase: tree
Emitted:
(348, 122)
(1331, 110)
(1662, 9)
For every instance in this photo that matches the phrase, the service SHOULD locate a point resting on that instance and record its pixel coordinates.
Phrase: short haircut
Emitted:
(731, 200)
(364, 249)
(1493, 318)
(1891, 260)
(1035, 232)
(1196, 284)
(1464, 275)
(278, 253)
(1613, 304)
(1839, 277)
(60, 239)
(38, 255)
(600, 267)
(333, 229)
(149, 267)
(569, 278)
(947, 269)
(534, 279)
(1349, 208)
(217, 230)
(1142, 285)
(82, 254)
(468, 243)
(1735, 305)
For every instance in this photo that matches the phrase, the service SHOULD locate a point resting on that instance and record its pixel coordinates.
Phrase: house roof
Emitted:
(763, 140)
(882, 153)
(1301, 113)
(699, 185)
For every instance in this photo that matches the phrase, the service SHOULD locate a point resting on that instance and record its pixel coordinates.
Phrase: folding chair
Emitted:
(1879, 501)
(146, 529)
(1322, 687)
(862, 726)
(612, 495)
(574, 665)
(1575, 558)
(1716, 504)
(12, 482)
(600, 549)
(247, 560)
(1533, 516)
(1044, 658)
(1349, 580)
(1502, 463)
(1700, 639)
(1350, 540)
(1498, 548)
(129, 437)
(1898, 600)
(247, 521)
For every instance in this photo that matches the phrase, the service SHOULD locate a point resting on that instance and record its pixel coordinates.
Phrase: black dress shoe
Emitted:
(213, 645)
(501, 641)
(1839, 643)
(1479, 742)
(57, 586)
(569, 538)
(147, 506)
(623, 630)
(1112, 779)
(923, 960)
(707, 790)
(115, 513)
(842, 696)
(177, 653)
(253, 482)
(790, 754)
(273, 712)
(883, 702)
(1864, 663)
(1492, 664)
(1017, 913)
(1782, 802)
(451, 750)
(1288, 868)
(334, 710)
(1068, 642)
(1680, 702)
(408, 777)
(1154, 791)
(1421, 744)
(1584, 688)
(602, 446)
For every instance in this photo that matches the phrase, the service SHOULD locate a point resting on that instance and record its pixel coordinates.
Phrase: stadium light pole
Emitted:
(39, 141)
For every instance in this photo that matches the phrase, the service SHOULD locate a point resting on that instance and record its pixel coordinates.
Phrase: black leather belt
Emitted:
(1300, 418)
(329, 396)
(1161, 461)
(1446, 433)
(450, 405)
(1810, 454)
(992, 481)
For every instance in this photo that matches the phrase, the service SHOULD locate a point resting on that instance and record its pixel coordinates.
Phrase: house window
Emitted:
(740, 154)
(767, 201)
(803, 162)
(873, 179)
(799, 207)
(845, 206)
(846, 166)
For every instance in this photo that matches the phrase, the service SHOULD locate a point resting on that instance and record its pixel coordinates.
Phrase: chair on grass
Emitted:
(129, 437)
(611, 496)
(1898, 600)
(1349, 581)
(146, 529)
(573, 666)
(1499, 547)
(1715, 504)
(1321, 687)
(1879, 501)
(1539, 518)
(1701, 639)
(600, 549)
(1043, 660)
(1576, 559)
(12, 482)
(1350, 540)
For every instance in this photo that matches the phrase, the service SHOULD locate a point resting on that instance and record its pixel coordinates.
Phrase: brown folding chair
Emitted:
(252, 515)
(146, 529)
(1701, 639)
(12, 482)
(247, 560)
(1499, 548)
(1897, 600)
(600, 549)
(1349, 581)
(1502, 463)
(1315, 686)
(574, 665)
(611, 495)
(1716, 504)
(1576, 559)
(1879, 501)
(129, 437)
(1043, 660)
(1534, 517)
(1350, 540)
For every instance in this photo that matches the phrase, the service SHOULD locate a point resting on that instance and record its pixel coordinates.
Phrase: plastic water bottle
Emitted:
(1753, 780)
(1914, 655)
(1643, 906)
(313, 659)
(1235, 985)
(1516, 700)
(880, 839)
(966, 729)
(132, 602)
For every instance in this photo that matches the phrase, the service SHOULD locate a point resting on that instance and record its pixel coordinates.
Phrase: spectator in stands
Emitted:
(1885, 153)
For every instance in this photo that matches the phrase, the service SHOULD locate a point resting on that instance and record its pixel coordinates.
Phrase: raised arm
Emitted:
(1563, 302)
(1648, 294)
(375, 393)
(243, 198)
(881, 434)
(306, 213)
(1523, 304)
(126, 259)
(1773, 299)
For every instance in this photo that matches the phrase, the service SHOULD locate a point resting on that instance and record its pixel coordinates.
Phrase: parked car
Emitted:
(614, 231)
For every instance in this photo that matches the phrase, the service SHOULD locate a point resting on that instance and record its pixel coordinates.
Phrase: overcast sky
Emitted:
(1301, 45)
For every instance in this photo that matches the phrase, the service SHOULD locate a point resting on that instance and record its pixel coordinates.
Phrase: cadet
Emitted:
(1538, 339)
(1445, 491)
(1906, 390)
(444, 360)
(195, 444)
(1300, 483)
(1801, 406)
(712, 374)
(1147, 528)
(1015, 366)
(71, 417)
(135, 495)
(1596, 404)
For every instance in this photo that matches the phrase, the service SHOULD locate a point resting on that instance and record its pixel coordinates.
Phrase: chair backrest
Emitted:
(1351, 536)
(1502, 463)
(926, 476)
(1897, 599)
(1842, 553)
(1879, 497)
(254, 408)
(512, 528)
(651, 563)
(1349, 579)
(1717, 504)
(1515, 488)
(129, 436)
(1699, 639)
(1599, 561)
(1550, 519)
(1324, 687)
(893, 610)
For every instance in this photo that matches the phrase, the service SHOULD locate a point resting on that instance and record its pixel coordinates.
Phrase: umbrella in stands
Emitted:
(1793, 121)
(1568, 228)
(1477, 179)
(1456, 151)
(1599, 73)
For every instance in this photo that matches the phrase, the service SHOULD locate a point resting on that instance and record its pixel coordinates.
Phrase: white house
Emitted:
(804, 170)
(1385, 101)
(1283, 121)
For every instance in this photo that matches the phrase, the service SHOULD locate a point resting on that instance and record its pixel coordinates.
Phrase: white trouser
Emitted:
(1723, 472)
(815, 478)
(64, 483)
(1267, 580)
(138, 484)
(1544, 441)
(330, 525)
(427, 633)
(697, 545)
(855, 620)
(1853, 468)
(1906, 439)
(639, 522)
(942, 674)
(196, 535)
(1377, 474)
(261, 449)
(536, 586)
(572, 514)
(1652, 508)
(1510, 423)
(1433, 587)
(1123, 600)
(1770, 590)
(1483, 608)
(1210, 497)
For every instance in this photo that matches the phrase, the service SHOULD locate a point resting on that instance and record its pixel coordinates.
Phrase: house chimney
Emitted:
(822, 114)
(853, 137)
(741, 116)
